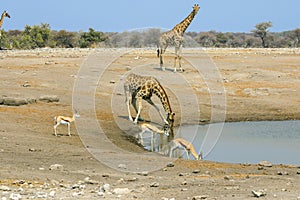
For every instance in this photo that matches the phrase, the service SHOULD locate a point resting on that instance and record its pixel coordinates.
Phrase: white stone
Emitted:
(106, 187)
(121, 191)
(52, 194)
(4, 188)
(265, 164)
(56, 167)
(101, 194)
(14, 196)
(41, 195)
(122, 166)
(259, 193)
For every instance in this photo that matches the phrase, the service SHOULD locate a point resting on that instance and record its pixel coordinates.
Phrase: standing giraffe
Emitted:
(4, 14)
(175, 37)
(138, 87)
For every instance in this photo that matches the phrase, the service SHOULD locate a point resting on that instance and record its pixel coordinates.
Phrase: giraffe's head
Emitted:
(5, 14)
(171, 119)
(196, 8)
(166, 129)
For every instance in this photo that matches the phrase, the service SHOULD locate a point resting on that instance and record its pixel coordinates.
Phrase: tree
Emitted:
(35, 36)
(64, 39)
(91, 38)
(295, 36)
(261, 31)
(221, 39)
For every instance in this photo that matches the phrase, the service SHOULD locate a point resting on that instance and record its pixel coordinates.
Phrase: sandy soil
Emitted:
(255, 84)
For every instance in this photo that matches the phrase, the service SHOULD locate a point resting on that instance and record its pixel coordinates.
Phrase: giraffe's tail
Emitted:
(158, 52)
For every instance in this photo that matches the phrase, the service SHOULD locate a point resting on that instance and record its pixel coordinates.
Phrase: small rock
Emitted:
(100, 193)
(105, 188)
(76, 194)
(50, 62)
(4, 188)
(265, 164)
(298, 172)
(49, 98)
(121, 180)
(10, 101)
(34, 150)
(282, 173)
(260, 168)
(41, 195)
(89, 181)
(122, 166)
(228, 178)
(14, 196)
(52, 194)
(26, 85)
(112, 81)
(143, 173)
(259, 193)
(196, 171)
(184, 189)
(200, 197)
(121, 191)
(75, 186)
(170, 164)
(184, 183)
(131, 179)
(54, 182)
(182, 174)
(56, 167)
(154, 184)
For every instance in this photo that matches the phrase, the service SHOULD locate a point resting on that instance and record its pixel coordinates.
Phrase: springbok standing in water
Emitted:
(146, 127)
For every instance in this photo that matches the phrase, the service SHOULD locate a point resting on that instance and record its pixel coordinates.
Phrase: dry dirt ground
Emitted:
(253, 84)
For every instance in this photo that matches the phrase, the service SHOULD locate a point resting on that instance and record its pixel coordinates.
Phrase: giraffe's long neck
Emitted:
(184, 24)
(1, 20)
(162, 95)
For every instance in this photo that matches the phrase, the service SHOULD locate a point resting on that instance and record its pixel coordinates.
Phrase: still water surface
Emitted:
(250, 142)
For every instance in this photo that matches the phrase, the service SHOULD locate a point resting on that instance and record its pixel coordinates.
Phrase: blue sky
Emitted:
(122, 15)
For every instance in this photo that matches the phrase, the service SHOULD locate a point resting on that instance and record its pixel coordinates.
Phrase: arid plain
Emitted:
(253, 84)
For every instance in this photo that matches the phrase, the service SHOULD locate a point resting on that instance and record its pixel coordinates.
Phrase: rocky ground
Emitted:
(257, 84)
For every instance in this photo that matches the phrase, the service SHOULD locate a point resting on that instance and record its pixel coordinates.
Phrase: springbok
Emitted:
(180, 143)
(58, 120)
(146, 127)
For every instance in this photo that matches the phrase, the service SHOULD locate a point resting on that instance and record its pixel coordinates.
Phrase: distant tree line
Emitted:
(39, 36)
